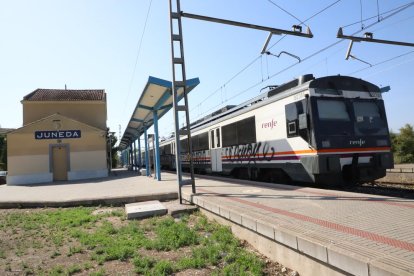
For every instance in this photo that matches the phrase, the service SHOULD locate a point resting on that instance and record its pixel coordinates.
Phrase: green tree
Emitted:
(3, 152)
(403, 144)
(114, 150)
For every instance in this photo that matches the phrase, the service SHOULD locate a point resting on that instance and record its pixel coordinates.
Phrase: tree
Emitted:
(3, 153)
(114, 150)
(403, 144)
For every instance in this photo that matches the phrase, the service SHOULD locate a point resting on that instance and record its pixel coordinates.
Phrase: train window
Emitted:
(184, 145)
(167, 149)
(366, 110)
(292, 128)
(296, 116)
(218, 137)
(229, 135)
(203, 141)
(246, 131)
(332, 110)
(239, 133)
(194, 141)
(291, 112)
(213, 144)
(368, 117)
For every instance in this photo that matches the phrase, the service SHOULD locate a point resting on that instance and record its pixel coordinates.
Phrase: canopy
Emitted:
(157, 96)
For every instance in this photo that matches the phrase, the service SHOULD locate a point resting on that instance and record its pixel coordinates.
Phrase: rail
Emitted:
(401, 170)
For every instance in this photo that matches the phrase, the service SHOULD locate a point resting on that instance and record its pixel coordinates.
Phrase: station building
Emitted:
(64, 137)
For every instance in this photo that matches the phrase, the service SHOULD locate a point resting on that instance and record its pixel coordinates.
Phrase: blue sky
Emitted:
(94, 44)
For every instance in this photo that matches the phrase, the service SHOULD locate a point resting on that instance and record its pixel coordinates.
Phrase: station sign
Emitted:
(57, 134)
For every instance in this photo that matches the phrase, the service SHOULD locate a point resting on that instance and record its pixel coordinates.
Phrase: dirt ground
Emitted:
(31, 245)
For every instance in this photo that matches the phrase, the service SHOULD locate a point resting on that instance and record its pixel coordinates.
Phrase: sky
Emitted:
(113, 45)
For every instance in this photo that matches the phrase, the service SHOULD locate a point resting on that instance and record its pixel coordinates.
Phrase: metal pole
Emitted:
(175, 104)
(157, 148)
(247, 25)
(370, 39)
(153, 155)
(139, 153)
(147, 166)
(133, 156)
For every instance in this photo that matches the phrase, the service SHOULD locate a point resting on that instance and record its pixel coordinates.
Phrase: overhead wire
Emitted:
(137, 56)
(259, 57)
(378, 11)
(316, 14)
(360, 4)
(382, 62)
(396, 11)
(270, 1)
(341, 40)
(369, 18)
(393, 12)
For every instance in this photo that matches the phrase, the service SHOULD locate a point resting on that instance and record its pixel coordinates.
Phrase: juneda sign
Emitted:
(57, 134)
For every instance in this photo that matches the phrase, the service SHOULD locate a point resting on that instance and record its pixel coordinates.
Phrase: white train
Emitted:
(329, 130)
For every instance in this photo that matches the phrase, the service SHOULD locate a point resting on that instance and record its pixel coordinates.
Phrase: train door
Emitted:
(215, 146)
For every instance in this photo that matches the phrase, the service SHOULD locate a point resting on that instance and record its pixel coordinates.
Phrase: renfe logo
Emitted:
(270, 124)
(59, 134)
(359, 142)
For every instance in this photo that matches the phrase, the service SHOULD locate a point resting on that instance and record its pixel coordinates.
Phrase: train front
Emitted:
(349, 131)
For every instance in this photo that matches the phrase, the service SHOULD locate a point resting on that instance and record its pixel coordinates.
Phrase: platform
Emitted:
(118, 189)
(315, 231)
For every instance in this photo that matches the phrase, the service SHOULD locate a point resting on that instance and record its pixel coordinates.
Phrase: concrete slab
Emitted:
(176, 209)
(145, 209)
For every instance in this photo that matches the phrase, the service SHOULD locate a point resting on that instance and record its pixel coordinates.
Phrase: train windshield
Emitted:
(332, 110)
(351, 117)
(333, 116)
(369, 118)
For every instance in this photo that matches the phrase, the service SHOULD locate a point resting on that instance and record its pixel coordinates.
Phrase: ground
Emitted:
(100, 241)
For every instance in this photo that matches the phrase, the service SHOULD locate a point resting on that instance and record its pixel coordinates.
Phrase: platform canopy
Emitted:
(157, 96)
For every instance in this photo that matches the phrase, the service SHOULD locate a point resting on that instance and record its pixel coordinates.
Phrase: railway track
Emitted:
(392, 189)
(402, 190)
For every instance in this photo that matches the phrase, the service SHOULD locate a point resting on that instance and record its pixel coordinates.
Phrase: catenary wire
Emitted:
(369, 18)
(301, 23)
(270, 1)
(137, 57)
(382, 62)
(316, 53)
(394, 11)
(257, 58)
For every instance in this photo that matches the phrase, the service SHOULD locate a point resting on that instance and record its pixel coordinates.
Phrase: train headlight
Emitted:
(382, 143)
(326, 143)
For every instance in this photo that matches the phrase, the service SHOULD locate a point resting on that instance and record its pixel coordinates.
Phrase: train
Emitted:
(330, 130)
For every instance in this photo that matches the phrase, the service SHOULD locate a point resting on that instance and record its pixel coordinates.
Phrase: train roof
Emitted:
(275, 89)
(343, 83)
(337, 82)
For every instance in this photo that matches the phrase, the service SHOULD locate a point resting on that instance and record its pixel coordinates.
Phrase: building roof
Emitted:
(5, 130)
(55, 116)
(65, 95)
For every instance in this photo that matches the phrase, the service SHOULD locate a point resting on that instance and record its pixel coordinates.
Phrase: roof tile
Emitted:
(65, 95)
